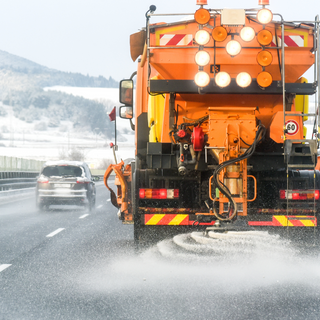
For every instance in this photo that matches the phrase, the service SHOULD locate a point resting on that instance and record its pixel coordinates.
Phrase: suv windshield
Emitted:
(72, 171)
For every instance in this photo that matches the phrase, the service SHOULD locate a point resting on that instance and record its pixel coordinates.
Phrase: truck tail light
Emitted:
(158, 193)
(81, 180)
(43, 180)
(299, 195)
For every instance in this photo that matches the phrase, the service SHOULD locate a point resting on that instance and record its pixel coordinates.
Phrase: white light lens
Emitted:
(264, 16)
(202, 79)
(202, 37)
(233, 47)
(243, 79)
(222, 79)
(247, 34)
(202, 58)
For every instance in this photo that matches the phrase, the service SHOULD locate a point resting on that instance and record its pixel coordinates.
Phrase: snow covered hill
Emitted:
(28, 140)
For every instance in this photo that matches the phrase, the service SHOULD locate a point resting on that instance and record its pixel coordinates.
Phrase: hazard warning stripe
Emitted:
(283, 221)
(289, 41)
(166, 219)
(176, 40)
(295, 221)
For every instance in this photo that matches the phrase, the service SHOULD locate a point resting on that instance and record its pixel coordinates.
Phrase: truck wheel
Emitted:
(41, 207)
(142, 236)
(91, 204)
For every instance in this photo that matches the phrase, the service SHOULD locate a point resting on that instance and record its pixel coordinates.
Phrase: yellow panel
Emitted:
(302, 102)
(155, 116)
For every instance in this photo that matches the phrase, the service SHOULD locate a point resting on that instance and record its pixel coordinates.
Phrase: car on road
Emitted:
(66, 182)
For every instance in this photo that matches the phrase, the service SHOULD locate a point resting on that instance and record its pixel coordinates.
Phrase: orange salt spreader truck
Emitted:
(221, 114)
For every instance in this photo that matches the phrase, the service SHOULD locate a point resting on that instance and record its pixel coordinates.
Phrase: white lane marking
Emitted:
(101, 205)
(85, 215)
(54, 232)
(108, 200)
(4, 266)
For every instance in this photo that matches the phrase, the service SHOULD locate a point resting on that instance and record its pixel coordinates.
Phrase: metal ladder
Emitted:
(301, 154)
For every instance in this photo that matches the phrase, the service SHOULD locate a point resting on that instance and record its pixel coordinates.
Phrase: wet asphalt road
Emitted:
(65, 264)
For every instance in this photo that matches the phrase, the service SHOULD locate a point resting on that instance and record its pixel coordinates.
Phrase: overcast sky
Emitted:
(92, 36)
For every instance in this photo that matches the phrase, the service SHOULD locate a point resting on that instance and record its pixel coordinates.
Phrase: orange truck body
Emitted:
(208, 154)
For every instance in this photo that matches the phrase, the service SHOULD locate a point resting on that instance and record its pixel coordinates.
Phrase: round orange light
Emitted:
(219, 33)
(264, 37)
(264, 58)
(202, 16)
(264, 79)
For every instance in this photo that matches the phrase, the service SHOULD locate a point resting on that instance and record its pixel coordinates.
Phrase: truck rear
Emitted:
(224, 135)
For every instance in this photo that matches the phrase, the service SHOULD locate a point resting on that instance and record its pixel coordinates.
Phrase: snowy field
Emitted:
(19, 139)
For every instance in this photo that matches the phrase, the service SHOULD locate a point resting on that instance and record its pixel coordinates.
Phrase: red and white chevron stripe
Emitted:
(176, 39)
(289, 41)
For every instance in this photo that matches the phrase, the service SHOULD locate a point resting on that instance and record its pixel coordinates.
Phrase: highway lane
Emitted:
(90, 270)
(42, 262)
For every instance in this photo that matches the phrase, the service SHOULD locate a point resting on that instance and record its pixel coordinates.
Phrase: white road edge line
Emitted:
(101, 205)
(4, 266)
(54, 232)
(108, 200)
(85, 215)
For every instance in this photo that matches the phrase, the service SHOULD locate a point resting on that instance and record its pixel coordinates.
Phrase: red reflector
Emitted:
(142, 193)
(299, 195)
(295, 196)
(163, 194)
(44, 181)
(158, 193)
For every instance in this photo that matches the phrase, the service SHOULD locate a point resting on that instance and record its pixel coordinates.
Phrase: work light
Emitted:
(233, 47)
(202, 37)
(243, 79)
(202, 58)
(222, 79)
(202, 79)
(247, 34)
(264, 16)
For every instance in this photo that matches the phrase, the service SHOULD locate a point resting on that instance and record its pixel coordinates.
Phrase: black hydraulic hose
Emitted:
(232, 213)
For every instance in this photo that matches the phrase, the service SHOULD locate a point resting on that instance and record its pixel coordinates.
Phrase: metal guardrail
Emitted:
(17, 180)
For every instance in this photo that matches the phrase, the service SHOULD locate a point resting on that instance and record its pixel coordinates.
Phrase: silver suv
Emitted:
(66, 182)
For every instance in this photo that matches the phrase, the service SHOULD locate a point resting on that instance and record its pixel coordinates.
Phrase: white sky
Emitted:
(92, 37)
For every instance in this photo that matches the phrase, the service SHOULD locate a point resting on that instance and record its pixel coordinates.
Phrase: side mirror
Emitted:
(126, 92)
(126, 112)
